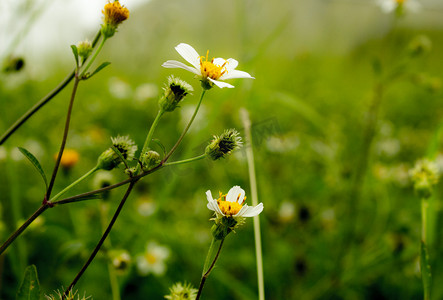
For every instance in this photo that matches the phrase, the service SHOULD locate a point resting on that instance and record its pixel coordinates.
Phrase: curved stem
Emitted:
(22, 228)
(65, 137)
(102, 239)
(179, 162)
(205, 275)
(89, 173)
(20, 121)
(186, 129)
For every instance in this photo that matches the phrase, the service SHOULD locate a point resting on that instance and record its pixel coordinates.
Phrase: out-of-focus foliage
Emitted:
(309, 106)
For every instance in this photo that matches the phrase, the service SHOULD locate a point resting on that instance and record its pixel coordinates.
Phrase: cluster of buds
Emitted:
(150, 159)
(224, 144)
(174, 92)
(114, 14)
(109, 159)
(424, 176)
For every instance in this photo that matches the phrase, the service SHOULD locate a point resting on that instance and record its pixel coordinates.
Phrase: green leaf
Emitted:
(30, 287)
(425, 271)
(101, 67)
(157, 141)
(35, 162)
(75, 52)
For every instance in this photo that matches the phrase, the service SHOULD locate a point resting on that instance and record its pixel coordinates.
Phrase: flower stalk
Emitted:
(206, 270)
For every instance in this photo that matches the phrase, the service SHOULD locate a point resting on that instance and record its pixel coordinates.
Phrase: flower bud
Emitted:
(181, 291)
(174, 92)
(114, 14)
(424, 175)
(223, 145)
(84, 49)
(108, 160)
(150, 159)
(419, 45)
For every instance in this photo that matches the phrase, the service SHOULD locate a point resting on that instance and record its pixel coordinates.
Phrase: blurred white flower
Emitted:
(3, 153)
(145, 91)
(388, 6)
(145, 206)
(286, 211)
(211, 72)
(233, 204)
(153, 259)
(119, 88)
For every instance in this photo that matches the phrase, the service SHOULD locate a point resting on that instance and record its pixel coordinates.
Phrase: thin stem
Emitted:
(89, 173)
(205, 275)
(25, 225)
(151, 131)
(65, 137)
(85, 69)
(254, 196)
(208, 257)
(102, 239)
(179, 162)
(186, 129)
(20, 121)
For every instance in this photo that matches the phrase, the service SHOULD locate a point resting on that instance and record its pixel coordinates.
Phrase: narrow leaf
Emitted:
(425, 271)
(157, 141)
(35, 162)
(75, 52)
(30, 287)
(101, 67)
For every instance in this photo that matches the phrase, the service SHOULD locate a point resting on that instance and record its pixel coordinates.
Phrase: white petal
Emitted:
(235, 74)
(251, 211)
(209, 195)
(232, 64)
(213, 205)
(220, 84)
(219, 61)
(177, 64)
(189, 54)
(236, 194)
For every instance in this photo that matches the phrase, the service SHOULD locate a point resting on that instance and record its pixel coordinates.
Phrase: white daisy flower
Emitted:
(211, 71)
(389, 6)
(233, 204)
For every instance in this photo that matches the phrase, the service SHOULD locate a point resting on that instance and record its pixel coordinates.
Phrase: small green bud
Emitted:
(84, 49)
(223, 145)
(120, 259)
(150, 159)
(174, 92)
(424, 175)
(109, 160)
(181, 291)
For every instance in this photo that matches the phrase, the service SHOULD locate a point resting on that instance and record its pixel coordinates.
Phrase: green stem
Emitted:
(254, 196)
(424, 219)
(186, 129)
(89, 173)
(64, 139)
(20, 121)
(206, 274)
(93, 57)
(208, 256)
(185, 160)
(151, 131)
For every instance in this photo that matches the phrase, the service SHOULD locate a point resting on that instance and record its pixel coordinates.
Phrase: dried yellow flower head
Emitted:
(114, 14)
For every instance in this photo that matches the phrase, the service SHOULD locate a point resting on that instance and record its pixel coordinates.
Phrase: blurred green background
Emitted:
(340, 221)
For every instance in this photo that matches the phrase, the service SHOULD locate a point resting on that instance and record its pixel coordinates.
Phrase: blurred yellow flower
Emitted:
(69, 158)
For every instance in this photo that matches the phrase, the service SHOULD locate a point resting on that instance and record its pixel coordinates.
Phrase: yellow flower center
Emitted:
(115, 13)
(209, 69)
(229, 208)
(150, 258)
